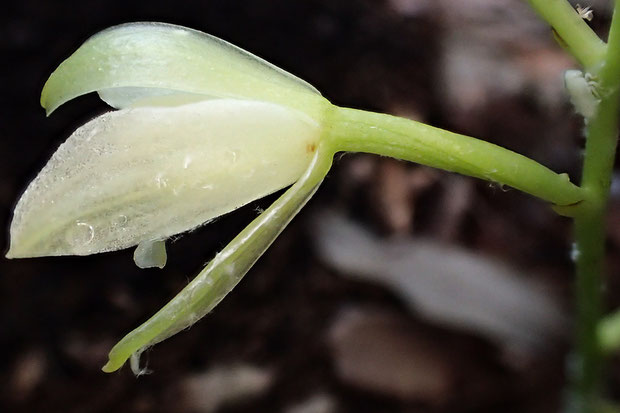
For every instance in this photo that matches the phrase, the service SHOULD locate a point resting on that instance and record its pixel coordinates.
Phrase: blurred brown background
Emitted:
(307, 331)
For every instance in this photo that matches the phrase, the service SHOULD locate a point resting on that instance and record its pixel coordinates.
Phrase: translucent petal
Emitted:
(133, 61)
(151, 172)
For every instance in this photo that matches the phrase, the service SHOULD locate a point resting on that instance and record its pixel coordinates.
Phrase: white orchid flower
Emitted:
(203, 128)
(173, 157)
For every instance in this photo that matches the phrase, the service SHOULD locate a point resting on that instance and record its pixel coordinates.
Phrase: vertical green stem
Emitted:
(602, 133)
(586, 371)
(581, 41)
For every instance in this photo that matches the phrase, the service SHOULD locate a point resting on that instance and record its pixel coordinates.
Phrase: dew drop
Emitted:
(82, 234)
(121, 221)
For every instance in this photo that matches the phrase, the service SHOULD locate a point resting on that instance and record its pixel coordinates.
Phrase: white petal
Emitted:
(151, 172)
(133, 61)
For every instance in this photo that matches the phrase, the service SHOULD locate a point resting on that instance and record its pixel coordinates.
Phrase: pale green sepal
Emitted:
(157, 58)
(224, 272)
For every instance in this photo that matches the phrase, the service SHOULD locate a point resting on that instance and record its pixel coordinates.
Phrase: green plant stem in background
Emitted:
(609, 332)
(360, 131)
(607, 408)
(601, 134)
(579, 39)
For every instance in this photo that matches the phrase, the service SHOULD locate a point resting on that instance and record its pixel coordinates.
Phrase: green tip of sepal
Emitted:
(45, 100)
(126, 349)
(116, 360)
(110, 367)
(118, 357)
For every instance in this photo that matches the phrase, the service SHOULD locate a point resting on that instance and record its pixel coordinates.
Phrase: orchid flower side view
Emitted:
(202, 128)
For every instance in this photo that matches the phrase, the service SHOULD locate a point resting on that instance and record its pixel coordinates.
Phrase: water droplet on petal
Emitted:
(81, 234)
(121, 221)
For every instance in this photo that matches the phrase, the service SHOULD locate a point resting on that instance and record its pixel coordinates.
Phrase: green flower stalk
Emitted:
(202, 128)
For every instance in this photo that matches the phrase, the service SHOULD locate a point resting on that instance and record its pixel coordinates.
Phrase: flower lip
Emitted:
(148, 173)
